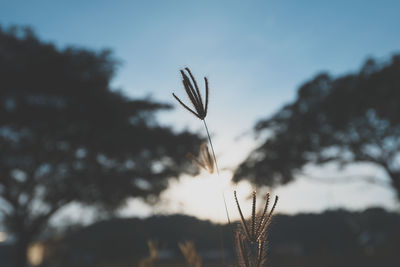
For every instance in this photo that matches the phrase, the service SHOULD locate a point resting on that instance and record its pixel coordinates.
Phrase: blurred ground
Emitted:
(331, 239)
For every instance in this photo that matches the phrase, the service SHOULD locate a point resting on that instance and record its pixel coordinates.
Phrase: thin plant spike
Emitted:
(253, 216)
(193, 95)
(193, 79)
(196, 93)
(195, 85)
(206, 83)
(264, 226)
(273, 208)
(262, 218)
(190, 92)
(186, 107)
(241, 216)
(193, 92)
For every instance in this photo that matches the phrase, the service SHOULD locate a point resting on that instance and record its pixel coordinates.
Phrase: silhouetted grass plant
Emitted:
(205, 160)
(153, 255)
(189, 251)
(200, 107)
(251, 239)
(258, 224)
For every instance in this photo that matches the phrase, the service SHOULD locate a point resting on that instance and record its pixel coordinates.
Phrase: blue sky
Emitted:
(255, 53)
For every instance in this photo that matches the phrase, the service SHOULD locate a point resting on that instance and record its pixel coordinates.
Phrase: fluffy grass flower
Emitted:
(205, 159)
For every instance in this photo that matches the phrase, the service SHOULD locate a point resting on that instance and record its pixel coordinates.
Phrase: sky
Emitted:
(255, 55)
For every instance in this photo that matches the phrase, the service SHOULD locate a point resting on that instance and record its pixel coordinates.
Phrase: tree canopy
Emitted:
(67, 136)
(346, 119)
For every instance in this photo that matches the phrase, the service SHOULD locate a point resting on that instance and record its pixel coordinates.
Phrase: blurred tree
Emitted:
(348, 119)
(332, 238)
(66, 136)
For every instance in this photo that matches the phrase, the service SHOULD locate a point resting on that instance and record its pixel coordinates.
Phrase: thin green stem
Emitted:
(212, 147)
(227, 216)
(223, 196)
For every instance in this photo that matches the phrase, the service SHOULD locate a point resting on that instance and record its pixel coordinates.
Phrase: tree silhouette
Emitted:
(66, 136)
(349, 119)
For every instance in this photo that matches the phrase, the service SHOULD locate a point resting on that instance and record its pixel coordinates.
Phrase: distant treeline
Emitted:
(333, 238)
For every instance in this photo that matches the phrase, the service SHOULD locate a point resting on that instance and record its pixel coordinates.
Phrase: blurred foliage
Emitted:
(67, 136)
(333, 238)
(347, 119)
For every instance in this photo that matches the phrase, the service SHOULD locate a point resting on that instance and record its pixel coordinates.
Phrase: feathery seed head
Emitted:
(193, 92)
(258, 223)
(190, 253)
(205, 159)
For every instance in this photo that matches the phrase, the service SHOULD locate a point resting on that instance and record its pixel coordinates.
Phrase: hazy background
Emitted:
(254, 53)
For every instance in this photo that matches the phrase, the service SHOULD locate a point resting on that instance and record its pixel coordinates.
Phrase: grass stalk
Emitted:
(211, 145)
